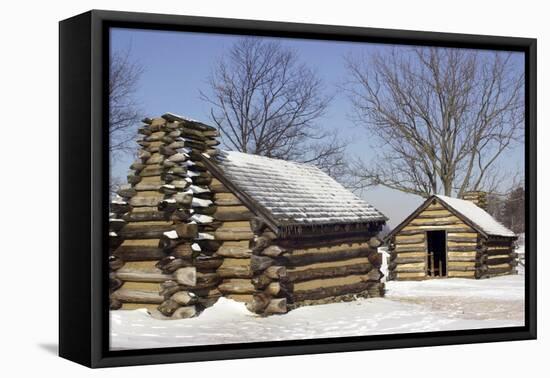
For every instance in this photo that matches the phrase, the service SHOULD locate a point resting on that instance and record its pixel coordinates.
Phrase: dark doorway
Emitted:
(437, 253)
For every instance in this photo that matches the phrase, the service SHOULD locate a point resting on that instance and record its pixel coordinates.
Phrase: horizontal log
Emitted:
(151, 170)
(468, 248)
(454, 264)
(405, 234)
(236, 286)
(145, 286)
(498, 243)
(409, 246)
(454, 228)
(210, 210)
(469, 243)
(461, 274)
(427, 214)
(243, 298)
(462, 259)
(410, 268)
(457, 239)
(498, 260)
(145, 230)
(421, 275)
(131, 251)
(142, 276)
(149, 201)
(494, 252)
(329, 282)
(336, 298)
(310, 258)
(235, 268)
(409, 260)
(137, 296)
(227, 234)
(336, 247)
(134, 306)
(234, 249)
(422, 219)
(500, 267)
(318, 271)
(462, 269)
(412, 239)
(331, 291)
(411, 249)
(421, 254)
(470, 254)
(232, 213)
(146, 216)
(328, 240)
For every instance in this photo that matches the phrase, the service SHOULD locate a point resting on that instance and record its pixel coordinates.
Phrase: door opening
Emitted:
(437, 253)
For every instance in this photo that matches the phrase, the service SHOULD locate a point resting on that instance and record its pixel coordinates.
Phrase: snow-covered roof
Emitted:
(177, 117)
(295, 193)
(478, 216)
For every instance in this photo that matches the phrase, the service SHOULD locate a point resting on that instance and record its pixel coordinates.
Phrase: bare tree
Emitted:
(441, 117)
(265, 102)
(124, 111)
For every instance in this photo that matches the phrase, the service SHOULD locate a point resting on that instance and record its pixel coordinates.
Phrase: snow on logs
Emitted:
(161, 218)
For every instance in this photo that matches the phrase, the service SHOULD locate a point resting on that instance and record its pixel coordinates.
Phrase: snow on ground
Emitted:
(434, 305)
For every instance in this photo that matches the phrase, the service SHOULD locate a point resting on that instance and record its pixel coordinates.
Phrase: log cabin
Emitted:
(195, 223)
(451, 237)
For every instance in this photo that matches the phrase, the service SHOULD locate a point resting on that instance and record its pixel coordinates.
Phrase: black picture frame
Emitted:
(83, 181)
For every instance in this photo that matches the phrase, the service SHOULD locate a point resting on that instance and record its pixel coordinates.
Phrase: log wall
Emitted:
(288, 278)
(180, 239)
(497, 257)
(233, 239)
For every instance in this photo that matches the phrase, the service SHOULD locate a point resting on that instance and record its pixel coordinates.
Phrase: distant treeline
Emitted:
(509, 209)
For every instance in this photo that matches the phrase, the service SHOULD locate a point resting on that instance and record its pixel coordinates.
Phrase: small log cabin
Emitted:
(195, 223)
(450, 237)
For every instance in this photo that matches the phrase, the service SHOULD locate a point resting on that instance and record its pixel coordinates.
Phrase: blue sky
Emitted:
(177, 65)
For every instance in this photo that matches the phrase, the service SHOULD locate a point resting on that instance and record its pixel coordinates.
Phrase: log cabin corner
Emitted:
(451, 237)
